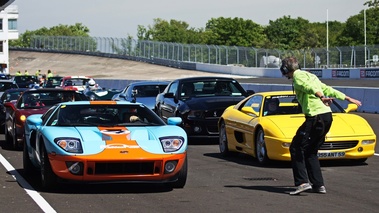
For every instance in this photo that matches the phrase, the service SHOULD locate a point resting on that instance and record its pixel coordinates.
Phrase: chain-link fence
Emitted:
(333, 57)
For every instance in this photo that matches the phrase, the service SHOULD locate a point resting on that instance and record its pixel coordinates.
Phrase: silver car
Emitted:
(142, 91)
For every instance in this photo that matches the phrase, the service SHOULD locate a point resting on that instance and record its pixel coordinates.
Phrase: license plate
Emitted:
(331, 154)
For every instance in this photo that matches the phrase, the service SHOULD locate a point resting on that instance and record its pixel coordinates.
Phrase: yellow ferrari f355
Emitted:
(263, 125)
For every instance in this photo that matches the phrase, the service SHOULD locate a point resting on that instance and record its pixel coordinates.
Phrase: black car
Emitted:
(53, 82)
(24, 81)
(6, 84)
(199, 101)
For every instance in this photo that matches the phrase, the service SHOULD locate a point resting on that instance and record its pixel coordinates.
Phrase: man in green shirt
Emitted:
(314, 98)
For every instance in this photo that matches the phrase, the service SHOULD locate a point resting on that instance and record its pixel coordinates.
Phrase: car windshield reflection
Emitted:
(105, 115)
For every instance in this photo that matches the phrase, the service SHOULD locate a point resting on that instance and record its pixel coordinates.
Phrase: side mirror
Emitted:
(249, 110)
(250, 92)
(169, 95)
(174, 121)
(351, 107)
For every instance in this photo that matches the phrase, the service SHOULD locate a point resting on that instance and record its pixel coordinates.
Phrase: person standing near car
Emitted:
(49, 74)
(314, 98)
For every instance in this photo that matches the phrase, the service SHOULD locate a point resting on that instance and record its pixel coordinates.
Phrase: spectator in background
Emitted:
(18, 73)
(26, 73)
(37, 73)
(49, 74)
(42, 80)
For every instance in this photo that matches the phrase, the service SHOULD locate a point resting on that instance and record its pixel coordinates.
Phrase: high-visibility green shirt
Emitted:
(306, 85)
(49, 75)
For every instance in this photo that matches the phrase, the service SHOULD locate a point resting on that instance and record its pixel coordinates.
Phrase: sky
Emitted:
(120, 18)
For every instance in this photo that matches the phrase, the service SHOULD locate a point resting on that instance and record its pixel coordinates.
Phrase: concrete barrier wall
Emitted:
(336, 73)
(368, 96)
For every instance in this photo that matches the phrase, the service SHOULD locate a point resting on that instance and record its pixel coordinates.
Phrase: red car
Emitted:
(74, 82)
(32, 101)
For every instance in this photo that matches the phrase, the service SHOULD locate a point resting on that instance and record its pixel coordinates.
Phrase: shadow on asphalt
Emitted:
(244, 159)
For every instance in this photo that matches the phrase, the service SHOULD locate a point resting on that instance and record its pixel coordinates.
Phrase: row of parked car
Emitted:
(150, 120)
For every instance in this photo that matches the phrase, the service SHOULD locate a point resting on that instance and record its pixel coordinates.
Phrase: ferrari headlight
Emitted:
(72, 145)
(366, 142)
(171, 144)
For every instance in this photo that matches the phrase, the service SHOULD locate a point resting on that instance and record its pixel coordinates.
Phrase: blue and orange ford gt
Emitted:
(105, 141)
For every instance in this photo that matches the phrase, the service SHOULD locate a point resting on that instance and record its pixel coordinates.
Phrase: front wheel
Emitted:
(223, 140)
(27, 163)
(182, 176)
(16, 146)
(8, 137)
(48, 178)
(260, 148)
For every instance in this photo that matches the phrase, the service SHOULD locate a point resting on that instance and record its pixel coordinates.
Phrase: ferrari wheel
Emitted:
(27, 163)
(223, 140)
(260, 148)
(8, 137)
(182, 177)
(48, 178)
(14, 141)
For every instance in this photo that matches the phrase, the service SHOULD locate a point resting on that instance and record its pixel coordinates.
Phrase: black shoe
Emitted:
(320, 190)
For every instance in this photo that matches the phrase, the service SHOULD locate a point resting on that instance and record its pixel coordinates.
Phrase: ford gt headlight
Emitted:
(171, 144)
(72, 145)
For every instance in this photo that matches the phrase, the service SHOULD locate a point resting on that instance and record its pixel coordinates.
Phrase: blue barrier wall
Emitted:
(368, 96)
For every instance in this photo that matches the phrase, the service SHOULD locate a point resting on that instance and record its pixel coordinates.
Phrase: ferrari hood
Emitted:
(343, 125)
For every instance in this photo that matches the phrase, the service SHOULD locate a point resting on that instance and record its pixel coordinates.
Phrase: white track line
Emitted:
(41, 202)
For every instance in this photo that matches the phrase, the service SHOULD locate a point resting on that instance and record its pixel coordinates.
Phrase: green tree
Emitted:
(288, 33)
(319, 30)
(372, 3)
(61, 30)
(235, 32)
(171, 31)
(354, 32)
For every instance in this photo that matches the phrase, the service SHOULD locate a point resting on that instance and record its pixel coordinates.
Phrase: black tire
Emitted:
(223, 141)
(182, 176)
(2, 128)
(260, 148)
(14, 138)
(27, 163)
(48, 178)
(359, 161)
(8, 138)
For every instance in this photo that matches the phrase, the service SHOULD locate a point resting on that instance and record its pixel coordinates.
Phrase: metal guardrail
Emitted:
(178, 55)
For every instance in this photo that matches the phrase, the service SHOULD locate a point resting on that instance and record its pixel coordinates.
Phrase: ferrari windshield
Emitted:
(105, 115)
(280, 105)
(288, 104)
(40, 98)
